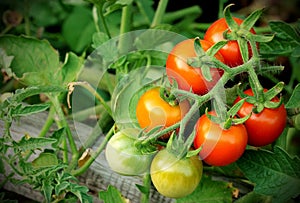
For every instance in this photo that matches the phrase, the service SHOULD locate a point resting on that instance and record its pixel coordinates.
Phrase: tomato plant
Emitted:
(92, 106)
(188, 77)
(174, 177)
(121, 153)
(219, 147)
(266, 126)
(156, 107)
(231, 51)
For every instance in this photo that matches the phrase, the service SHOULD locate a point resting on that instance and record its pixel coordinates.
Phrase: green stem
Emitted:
(62, 123)
(101, 147)
(161, 9)
(257, 89)
(124, 43)
(26, 18)
(147, 184)
(180, 14)
(102, 19)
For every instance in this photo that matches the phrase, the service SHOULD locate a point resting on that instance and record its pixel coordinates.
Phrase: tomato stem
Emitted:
(147, 185)
(160, 11)
(101, 147)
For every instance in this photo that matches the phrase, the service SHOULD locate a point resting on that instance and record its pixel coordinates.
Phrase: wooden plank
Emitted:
(96, 178)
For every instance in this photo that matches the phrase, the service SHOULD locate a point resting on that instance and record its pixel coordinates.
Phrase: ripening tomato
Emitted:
(220, 146)
(173, 177)
(123, 157)
(230, 52)
(187, 77)
(265, 127)
(153, 111)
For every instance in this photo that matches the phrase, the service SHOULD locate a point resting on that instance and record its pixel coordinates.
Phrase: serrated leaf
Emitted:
(111, 195)
(294, 101)
(27, 110)
(275, 174)
(40, 64)
(33, 143)
(285, 41)
(61, 187)
(45, 159)
(47, 189)
(284, 31)
(209, 191)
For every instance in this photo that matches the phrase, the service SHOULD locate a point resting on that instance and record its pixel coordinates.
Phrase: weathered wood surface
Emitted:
(96, 178)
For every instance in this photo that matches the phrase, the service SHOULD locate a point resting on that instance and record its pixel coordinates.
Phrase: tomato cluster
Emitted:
(220, 139)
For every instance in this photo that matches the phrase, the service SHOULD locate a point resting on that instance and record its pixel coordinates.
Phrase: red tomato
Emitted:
(230, 52)
(220, 146)
(153, 111)
(265, 127)
(188, 77)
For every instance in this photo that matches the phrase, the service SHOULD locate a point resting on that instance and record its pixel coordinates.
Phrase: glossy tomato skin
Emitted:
(265, 127)
(220, 147)
(123, 157)
(153, 111)
(230, 52)
(173, 177)
(187, 77)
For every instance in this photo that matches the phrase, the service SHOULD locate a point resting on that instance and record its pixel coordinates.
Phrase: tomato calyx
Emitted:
(242, 34)
(228, 118)
(204, 60)
(167, 96)
(261, 100)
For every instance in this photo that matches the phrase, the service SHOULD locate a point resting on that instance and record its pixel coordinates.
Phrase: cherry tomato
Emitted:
(265, 127)
(230, 52)
(153, 111)
(123, 157)
(220, 146)
(188, 77)
(173, 177)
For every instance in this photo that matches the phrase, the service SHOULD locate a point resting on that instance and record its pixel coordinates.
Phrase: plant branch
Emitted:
(92, 158)
(161, 9)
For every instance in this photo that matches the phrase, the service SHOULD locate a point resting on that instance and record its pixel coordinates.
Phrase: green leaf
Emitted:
(24, 93)
(286, 40)
(294, 101)
(45, 159)
(254, 197)
(33, 143)
(285, 31)
(27, 110)
(61, 187)
(71, 68)
(47, 189)
(40, 64)
(78, 28)
(111, 195)
(209, 191)
(275, 174)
